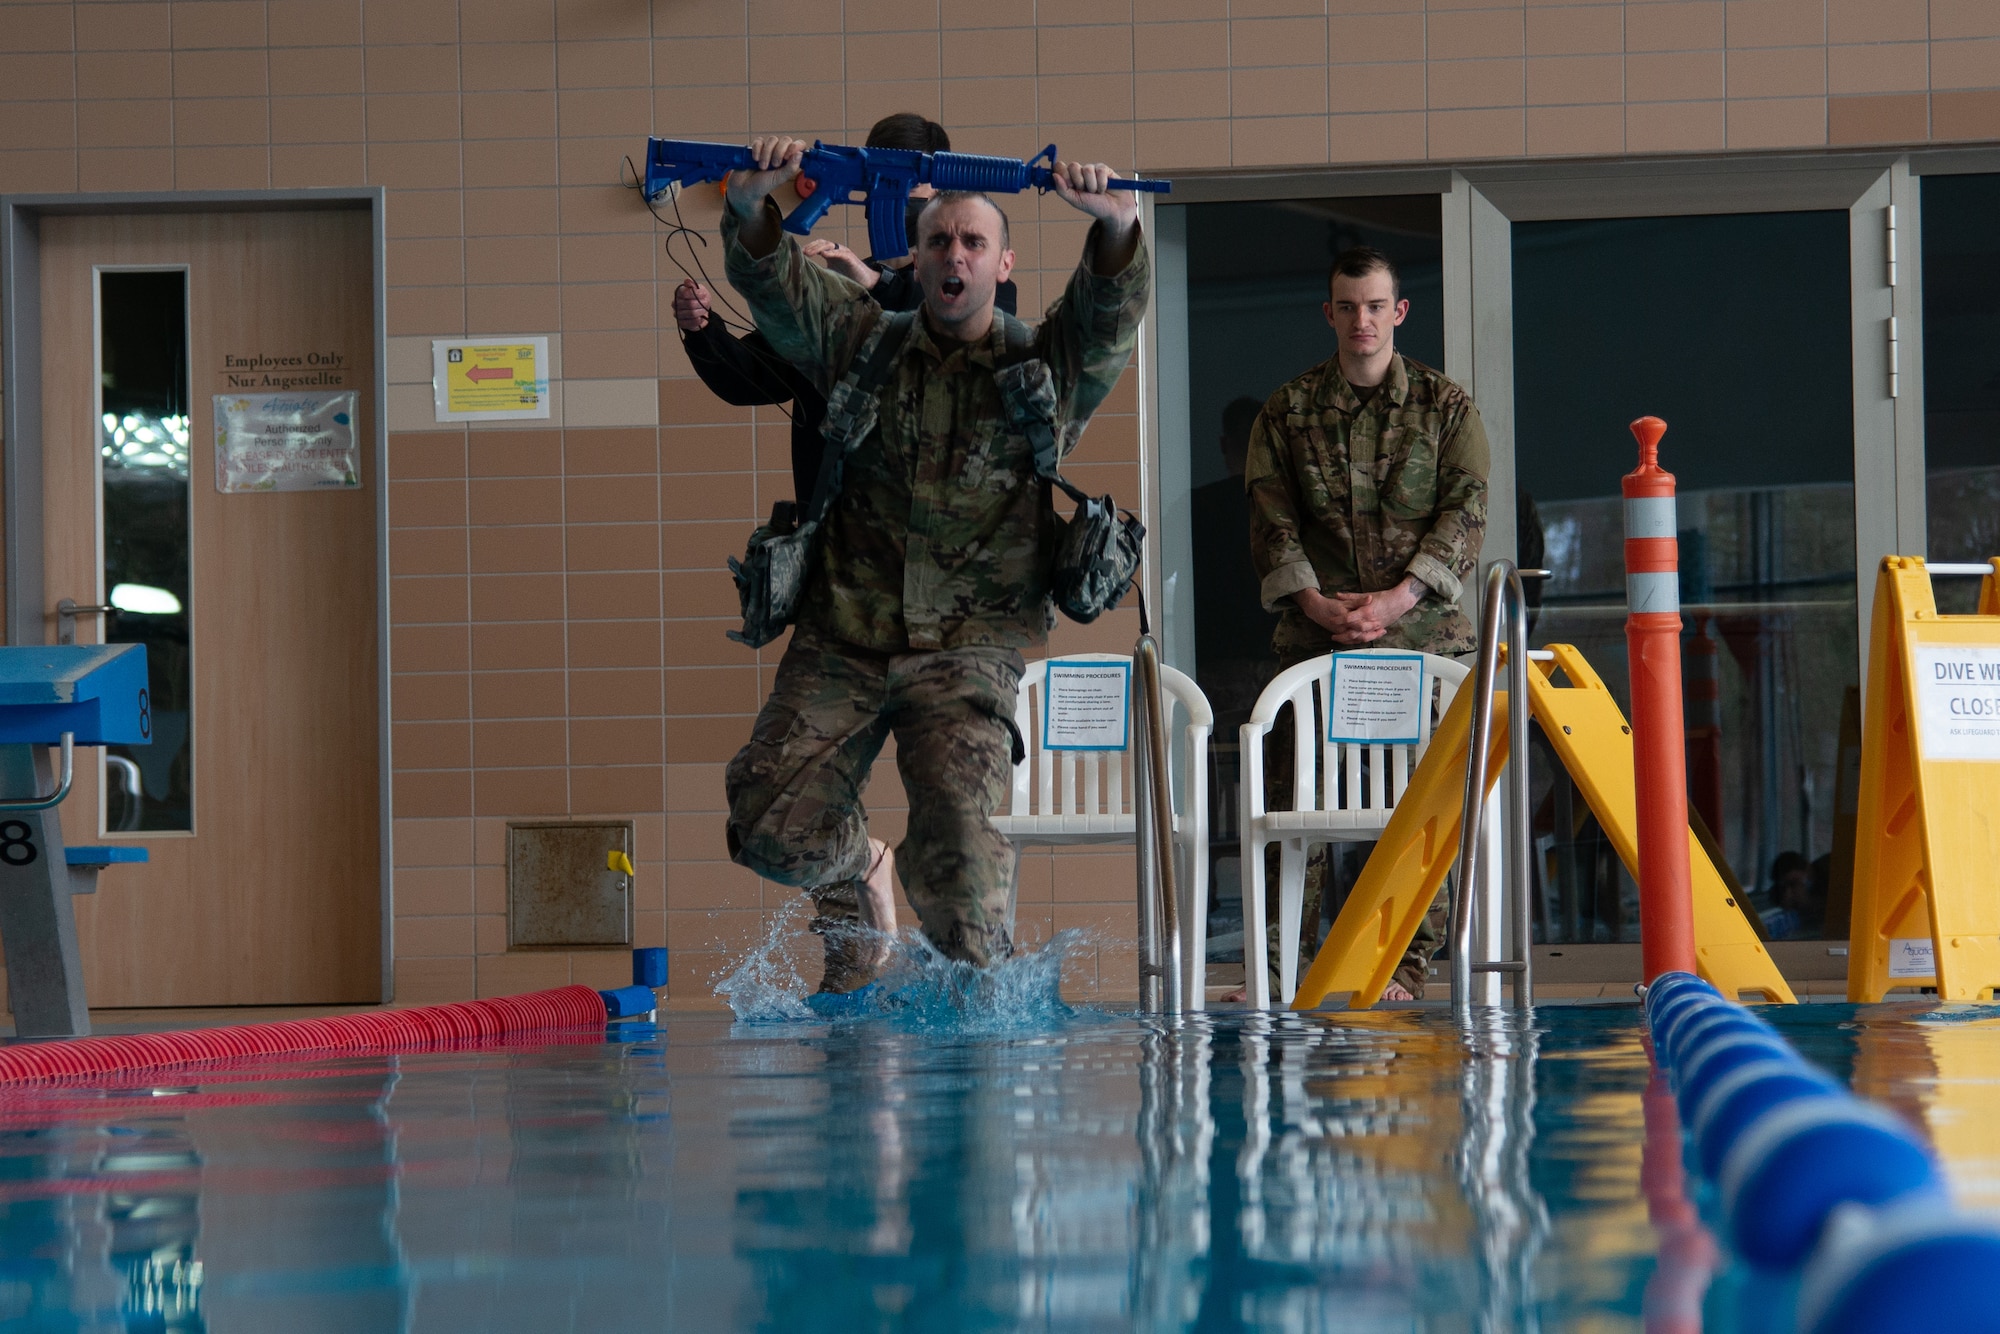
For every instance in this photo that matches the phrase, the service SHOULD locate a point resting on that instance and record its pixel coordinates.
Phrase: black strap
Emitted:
(891, 331)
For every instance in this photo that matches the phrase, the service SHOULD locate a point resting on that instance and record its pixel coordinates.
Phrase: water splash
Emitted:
(765, 986)
(919, 989)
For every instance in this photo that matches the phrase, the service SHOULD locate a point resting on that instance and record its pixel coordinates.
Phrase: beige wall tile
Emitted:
(1674, 127)
(1673, 76)
(1476, 83)
(1183, 145)
(1879, 68)
(1877, 20)
(1556, 131)
(1295, 41)
(1358, 37)
(1558, 80)
(1180, 46)
(1475, 34)
(1775, 22)
(1798, 71)
(1485, 133)
(1973, 64)
(1177, 95)
(1963, 18)
(315, 22)
(1561, 30)
(1291, 91)
(1674, 25)
(1376, 88)
(1783, 122)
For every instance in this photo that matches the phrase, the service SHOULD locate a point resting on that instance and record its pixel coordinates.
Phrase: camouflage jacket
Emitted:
(942, 536)
(1349, 497)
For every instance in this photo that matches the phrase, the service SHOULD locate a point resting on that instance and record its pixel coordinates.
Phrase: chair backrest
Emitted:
(1329, 776)
(1093, 782)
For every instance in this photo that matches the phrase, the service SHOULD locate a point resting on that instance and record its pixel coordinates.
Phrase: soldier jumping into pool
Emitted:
(931, 573)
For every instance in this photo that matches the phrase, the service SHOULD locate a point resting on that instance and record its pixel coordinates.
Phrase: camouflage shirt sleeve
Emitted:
(812, 317)
(1088, 334)
(1449, 552)
(1276, 550)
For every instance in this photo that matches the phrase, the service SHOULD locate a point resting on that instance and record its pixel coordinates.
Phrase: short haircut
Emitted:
(959, 197)
(1360, 261)
(906, 129)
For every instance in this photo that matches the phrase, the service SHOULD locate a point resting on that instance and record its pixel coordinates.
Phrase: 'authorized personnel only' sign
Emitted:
(1958, 700)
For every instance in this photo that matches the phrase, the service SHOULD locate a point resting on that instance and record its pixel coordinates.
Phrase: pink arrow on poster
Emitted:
(479, 373)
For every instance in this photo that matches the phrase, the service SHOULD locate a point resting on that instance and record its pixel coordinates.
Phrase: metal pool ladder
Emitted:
(1503, 592)
(1160, 970)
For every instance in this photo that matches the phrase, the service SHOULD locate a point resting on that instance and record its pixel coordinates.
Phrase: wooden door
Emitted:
(274, 895)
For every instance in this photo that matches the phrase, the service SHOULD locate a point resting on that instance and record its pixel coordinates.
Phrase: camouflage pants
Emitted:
(1322, 868)
(795, 809)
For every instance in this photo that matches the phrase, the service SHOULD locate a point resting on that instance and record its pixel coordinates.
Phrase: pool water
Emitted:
(955, 1163)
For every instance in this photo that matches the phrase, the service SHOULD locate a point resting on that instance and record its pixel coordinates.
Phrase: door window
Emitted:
(144, 445)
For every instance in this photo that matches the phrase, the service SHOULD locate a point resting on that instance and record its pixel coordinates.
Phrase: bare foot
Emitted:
(1396, 991)
(1236, 997)
(878, 896)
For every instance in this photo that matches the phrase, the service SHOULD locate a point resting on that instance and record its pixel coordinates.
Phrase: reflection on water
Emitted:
(1323, 1172)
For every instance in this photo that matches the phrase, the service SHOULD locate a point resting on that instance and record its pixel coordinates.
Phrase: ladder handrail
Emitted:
(1153, 825)
(1503, 593)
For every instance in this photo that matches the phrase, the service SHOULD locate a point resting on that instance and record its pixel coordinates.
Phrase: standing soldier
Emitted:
(1367, 485)
(932, 570)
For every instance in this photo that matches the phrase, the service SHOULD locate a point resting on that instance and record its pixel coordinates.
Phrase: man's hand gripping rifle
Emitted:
(879, 178)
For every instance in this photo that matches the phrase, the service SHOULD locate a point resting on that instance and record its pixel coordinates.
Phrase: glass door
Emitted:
(1961, 294)
(1734, 328)
(1256, 278)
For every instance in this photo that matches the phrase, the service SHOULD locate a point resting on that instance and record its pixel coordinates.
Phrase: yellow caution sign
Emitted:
(1592, 739)
(1927, 833)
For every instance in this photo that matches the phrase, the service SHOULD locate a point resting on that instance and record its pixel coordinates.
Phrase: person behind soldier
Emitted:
(745, 372)
(932, 570)
(1367, 486)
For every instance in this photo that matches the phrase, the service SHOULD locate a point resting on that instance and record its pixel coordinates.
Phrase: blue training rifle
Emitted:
(878, 178)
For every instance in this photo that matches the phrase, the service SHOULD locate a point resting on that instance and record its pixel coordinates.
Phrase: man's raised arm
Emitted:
(1089, 334)
(813, 318)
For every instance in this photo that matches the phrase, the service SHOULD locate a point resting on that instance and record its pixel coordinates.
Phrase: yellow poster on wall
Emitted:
(490, 379)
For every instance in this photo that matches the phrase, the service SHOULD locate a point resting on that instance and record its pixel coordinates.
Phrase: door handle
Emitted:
(66, 613)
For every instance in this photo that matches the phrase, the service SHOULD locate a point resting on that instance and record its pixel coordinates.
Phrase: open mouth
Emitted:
(953, 287)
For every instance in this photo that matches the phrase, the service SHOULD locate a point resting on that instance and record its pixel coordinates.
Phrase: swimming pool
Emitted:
(915, 1171)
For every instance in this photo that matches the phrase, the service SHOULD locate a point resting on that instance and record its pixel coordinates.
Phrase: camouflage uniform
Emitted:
(1348, 497)
(931, 572)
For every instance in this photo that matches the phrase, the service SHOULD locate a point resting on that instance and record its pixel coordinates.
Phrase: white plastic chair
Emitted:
(1067, 797)
(1334, 800)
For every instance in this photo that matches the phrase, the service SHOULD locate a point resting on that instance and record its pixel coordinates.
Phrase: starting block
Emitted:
(1926, 912)
(1592, 739)
(67, 696)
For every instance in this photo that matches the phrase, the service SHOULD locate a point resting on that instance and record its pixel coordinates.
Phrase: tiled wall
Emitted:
(558, 597)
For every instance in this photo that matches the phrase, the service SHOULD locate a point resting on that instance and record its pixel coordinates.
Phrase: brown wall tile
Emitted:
(314, 22)
(1966, 115)
(1885, 119)
(219, 23)
(117, 26)
(117, 74)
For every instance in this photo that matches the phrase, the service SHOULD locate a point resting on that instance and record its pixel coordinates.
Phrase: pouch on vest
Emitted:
(1098, 553)
(772, 574)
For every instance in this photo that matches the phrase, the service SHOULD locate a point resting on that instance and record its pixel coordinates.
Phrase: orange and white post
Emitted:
(1659, 755)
